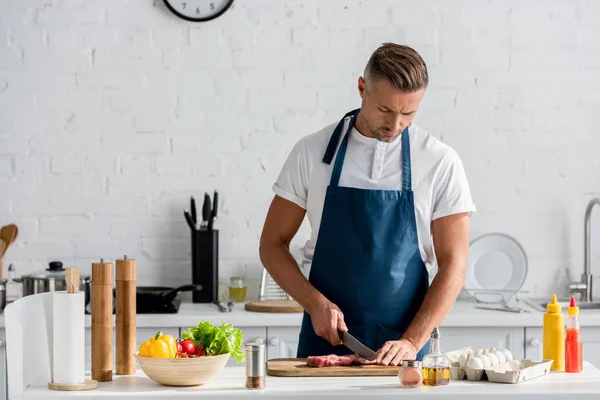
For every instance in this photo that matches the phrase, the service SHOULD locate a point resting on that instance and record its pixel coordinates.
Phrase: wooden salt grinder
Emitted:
(126, 316)
(102, 321)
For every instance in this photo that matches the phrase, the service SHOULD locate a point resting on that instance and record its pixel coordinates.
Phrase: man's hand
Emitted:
(394, 351)
(327, 321)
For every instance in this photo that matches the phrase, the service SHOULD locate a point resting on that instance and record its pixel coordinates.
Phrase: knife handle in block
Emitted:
(72, 279)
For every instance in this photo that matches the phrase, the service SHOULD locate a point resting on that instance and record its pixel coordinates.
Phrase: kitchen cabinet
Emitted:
(142, 334)
(282, 342)
(511, 338)
(250, 334)
(590, 335)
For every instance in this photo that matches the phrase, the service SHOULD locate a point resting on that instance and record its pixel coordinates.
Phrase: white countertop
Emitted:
(230, 384)
(462, 314)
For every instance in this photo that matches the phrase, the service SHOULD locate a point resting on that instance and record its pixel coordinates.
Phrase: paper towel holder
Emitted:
(72, 281)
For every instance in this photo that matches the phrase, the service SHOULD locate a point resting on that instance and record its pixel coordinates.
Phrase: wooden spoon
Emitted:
(8, 234)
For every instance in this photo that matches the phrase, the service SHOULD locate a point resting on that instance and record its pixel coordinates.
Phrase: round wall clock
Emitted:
(198, 10)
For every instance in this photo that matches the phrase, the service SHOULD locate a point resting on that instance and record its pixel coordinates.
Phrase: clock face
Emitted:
(198, 10)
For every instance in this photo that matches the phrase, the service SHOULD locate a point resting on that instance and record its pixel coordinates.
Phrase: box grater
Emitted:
(270, 290)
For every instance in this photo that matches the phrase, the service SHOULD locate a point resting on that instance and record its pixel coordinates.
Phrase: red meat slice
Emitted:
(333, 360)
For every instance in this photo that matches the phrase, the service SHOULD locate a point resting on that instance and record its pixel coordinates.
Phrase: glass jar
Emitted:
(255, 366)
(436, 366)
(410, 374)
(237, 289)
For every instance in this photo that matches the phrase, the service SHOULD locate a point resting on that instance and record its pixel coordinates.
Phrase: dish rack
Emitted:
(270, 290)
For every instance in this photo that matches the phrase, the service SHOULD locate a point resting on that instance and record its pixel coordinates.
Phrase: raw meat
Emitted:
(333, 360)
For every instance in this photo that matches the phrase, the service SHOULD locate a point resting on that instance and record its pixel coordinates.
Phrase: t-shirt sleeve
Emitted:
(452, 194)
(292, 182)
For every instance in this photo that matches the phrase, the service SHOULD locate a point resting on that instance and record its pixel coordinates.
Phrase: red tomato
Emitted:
(200, 351)
(179, 349)
(182, 355)
(188, 347)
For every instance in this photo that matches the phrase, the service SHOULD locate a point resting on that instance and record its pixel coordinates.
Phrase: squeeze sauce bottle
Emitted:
(554, 335)
(573, 346)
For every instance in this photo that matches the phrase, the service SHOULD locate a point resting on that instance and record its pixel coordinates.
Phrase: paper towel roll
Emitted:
(68, 361)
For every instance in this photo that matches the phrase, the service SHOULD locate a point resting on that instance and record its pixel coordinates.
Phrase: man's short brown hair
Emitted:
(400, 65)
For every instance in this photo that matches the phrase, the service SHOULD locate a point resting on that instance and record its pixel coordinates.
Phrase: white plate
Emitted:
(497, 262)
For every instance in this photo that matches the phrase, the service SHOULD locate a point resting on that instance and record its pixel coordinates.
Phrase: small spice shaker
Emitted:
(410, 374)
(255, 366)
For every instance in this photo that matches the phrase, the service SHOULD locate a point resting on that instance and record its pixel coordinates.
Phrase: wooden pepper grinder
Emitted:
(126, 314)
(102, 321)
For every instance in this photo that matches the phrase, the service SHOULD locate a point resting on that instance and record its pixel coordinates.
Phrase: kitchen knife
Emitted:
(193, 210)
(215, 204)
(206, 208)
(188, 218)
(353, 344)
(213, 213)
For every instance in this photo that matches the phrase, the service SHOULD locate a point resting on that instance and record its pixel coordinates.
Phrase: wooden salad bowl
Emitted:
(182, 371)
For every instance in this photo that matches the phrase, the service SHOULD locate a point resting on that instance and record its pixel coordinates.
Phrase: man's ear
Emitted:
(362, 86)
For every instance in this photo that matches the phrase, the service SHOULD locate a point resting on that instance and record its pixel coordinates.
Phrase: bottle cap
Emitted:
(553, 307)
(573, 309)
(436, 333)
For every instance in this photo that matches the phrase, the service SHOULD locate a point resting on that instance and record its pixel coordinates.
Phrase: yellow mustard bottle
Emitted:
(554, 335)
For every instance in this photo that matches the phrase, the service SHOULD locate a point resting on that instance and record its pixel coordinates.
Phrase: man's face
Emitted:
(386, 110)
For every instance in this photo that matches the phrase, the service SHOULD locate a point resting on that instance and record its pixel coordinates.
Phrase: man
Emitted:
(380, 193)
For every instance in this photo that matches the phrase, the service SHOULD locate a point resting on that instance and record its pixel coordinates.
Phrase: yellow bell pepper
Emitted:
(159, 346)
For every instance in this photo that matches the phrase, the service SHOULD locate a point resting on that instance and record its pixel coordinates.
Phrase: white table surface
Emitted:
(230, 384)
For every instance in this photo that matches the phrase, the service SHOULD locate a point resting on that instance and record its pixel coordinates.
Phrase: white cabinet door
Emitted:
(3, 377)
(511, 338)
(142, 334)
(250, 334)
(590, 336)
(282, 342)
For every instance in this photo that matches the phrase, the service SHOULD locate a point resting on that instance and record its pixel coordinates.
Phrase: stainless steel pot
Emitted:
(52, 279)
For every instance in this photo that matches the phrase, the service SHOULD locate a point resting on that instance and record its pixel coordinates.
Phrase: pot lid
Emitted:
(55, 270)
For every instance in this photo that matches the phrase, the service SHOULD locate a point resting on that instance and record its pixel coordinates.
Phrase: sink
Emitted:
(564, 304)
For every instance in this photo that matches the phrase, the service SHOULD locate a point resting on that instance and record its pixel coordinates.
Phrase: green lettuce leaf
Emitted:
(217, 340)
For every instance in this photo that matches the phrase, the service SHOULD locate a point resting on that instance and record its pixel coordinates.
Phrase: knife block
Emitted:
(205, 265)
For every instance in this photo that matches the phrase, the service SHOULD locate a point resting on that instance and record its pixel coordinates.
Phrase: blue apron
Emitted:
(366, 260)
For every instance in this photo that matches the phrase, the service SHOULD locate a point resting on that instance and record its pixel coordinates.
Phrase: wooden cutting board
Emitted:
(298, 367)
(274, 306)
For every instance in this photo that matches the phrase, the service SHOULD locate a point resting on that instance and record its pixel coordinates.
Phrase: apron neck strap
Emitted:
(335, 137)
(406, 170)
(339, 159)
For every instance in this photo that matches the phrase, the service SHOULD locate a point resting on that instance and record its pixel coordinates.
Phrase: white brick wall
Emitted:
(113, 113)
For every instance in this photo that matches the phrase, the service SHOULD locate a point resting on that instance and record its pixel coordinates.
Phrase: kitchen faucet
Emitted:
(585, 286)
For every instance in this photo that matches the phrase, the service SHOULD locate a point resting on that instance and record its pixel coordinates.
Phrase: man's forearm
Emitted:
(280, 264)
(438, 301)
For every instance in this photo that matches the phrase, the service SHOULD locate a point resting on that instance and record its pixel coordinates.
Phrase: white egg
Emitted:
(493, 359)
(475, 363)
(508, 354)
(462, 360)
(500, 356)
(486, 361)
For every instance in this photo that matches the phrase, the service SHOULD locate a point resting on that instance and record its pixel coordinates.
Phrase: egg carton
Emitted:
(511, 371)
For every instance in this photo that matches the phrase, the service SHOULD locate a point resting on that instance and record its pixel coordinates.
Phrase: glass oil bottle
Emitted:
(436, 366)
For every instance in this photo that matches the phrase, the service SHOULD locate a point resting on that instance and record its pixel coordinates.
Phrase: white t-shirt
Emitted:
(438, 178)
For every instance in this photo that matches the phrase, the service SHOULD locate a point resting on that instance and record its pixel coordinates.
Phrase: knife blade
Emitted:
(206, 209)
(353, 344)
(193, 209)
(188, 218)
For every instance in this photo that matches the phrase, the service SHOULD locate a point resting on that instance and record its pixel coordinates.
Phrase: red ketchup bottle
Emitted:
(573, 346)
